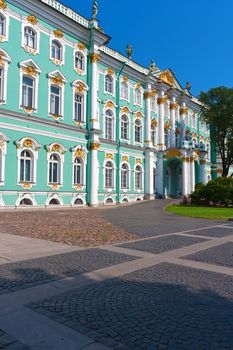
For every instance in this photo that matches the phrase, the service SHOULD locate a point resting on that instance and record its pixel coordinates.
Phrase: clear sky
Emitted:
(192, 37)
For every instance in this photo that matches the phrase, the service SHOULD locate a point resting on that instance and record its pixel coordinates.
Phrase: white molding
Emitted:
(57, 62)
(28, 49)
(7, 24)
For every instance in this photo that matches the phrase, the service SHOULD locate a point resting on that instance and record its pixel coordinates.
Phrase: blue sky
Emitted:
(192, 37)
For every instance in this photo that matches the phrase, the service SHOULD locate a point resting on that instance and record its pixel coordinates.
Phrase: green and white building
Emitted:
(83, 124)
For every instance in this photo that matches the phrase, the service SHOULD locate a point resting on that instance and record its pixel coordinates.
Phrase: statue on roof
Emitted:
(95, 8)
(153, 67)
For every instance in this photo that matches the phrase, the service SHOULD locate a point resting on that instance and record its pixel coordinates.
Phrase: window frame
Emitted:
(31, 50)
(123, 95)
(4, 37)
(137, 97)
(6, 60)
(81, 71)
(59, 169)
(56, 61)
(107, 117)
(106, 91)
(127, 126)
(31, 162)
(136, 172)
(105, 168)
(126, 173)
(141, 131)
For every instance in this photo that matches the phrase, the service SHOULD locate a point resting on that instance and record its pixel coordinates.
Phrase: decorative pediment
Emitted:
(55, 147)
(4, 57)
(167, 77)
(80, 86)
(173, 153)
(125, 109)
(3, 5)
(110, 104)
(79, 152)
(28, 142)
(30, 67)
(32, 20)
(57, 78)
(138, 114)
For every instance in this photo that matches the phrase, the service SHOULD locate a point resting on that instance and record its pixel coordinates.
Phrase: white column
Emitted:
(159, 174)
(183, 113)
(94, 91)
(173, 107)
(185, 175)
(203, 177)
(149, 174)
(94, 174)
(147, 97)
(192, 175)
(161, 141)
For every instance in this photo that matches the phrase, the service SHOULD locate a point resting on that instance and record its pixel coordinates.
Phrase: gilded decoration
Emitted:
(57, 62)
(173, 106)
(28, 110)
(125, 78)
(161, 100)
(79, 123)
(154, 123)
(55, 148)
(29, 50)
(3, 5)
(26, 186)
(79, 187)
(109, 156)
(79, 153)
(2, 38)
(183, 110)
(55, 187)
(125, 110)
(2, 144)
(95, 57)
(110, 71)
(202, 161)
(56, 116)
(138, 161)
(149, 94)
(167, 125)
(138, 85)
(177, 131)
(138, 115)
(28, 143)
(58, 33)
(81, 46)
(95, 146)
(109, 104)
(30, 71)
(80, 87)
(185, 159)
(167, 77)
(173, 152)
(2, 63)
(125, 159)
(32, 20)
(57, 80)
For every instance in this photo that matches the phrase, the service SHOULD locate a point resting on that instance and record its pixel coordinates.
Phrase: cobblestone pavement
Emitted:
(163, 244)
(220, 255)
(171, 289)
(8, 342)
(166, 306)
(25, 274)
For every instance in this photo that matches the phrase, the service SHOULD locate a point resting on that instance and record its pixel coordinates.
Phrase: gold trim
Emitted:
(125, 78)
(173, 106)
(28, 143)
(109, 156)
(154, 123)
(55, 187)
(109, 104)
(80, 87)
(55, 148)
(30, 71)
(125, 109)
(167, 77)
(161, 100)
(138, 161)
(57, 81)
(58, 33)
(81, 46)
(95, 57)
(110, 71)
(79, 153)
(183, 110)
(95, 146)
(32, 19)
(125, 158)
(3, 5)
(173, 153)
(26, 186)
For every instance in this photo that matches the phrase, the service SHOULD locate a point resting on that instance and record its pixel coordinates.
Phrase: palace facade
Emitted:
(82, 124)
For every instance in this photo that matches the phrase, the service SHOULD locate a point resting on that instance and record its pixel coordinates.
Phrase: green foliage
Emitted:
(219, 115)
(216, 192)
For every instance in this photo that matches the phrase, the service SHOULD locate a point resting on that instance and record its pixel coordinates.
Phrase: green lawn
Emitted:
(201, 212)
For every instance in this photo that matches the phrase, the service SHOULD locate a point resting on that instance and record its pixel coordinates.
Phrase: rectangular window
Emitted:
(27, 92)
(55, 100)
(2, 25)
(1, 84)
(78, 107)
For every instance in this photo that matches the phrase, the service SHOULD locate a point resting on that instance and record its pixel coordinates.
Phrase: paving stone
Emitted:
(173, 306)
(213, 232)
(220, 255)
(162, 244)
(29, 273)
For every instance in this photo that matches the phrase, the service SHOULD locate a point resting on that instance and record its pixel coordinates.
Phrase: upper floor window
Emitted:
(56, 50)
(78, 107)
(109, 175)
(109, 84)
(138, 97)
(124, 90)
(124, 127)
(153, 103)
(109, 125)
(138, 131)
(153, 135)
(2, 25)
(54, 169)
(138, 177)
(124, 176)
(29, 37)
(1, 84)
(166, 135)
(28, 92)
(79, 61)
(55, 100)
(26, 166)
(78, 171)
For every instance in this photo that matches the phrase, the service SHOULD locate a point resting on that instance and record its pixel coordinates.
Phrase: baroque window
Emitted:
(30, 37)
(78, 171)
(109, 84)
(109, 125)
(124, 176)
(153, 135)
(55, 100)
(124, 127)
(2, 25)
(138, 177)
(78, 107)
(28, 92)
(54, 169)
(138, 97)
(56, 50)
(79, 61)
(109, 175)
(138, 131)
(26, 166)
(124, 90)
(2, 71)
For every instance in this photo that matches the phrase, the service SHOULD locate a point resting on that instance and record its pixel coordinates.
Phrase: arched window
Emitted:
(79, 61)
(1, 84)
(109, 125)
(56, 50)
(138, 97)
(124, 127)
(54, 201)
(28, 92)
(138, 177)
(124, 176)
(26, 166)
(78, 107)
(78, 171)
(54, 169)
(25, 202)
(29, 37)
(109, 175)
(55, 100)
(78, 201)
(124, 90)
(2, 25)
(153, 135)
(138, 131)
(109, 84)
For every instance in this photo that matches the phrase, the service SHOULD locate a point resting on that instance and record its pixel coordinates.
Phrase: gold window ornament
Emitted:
(173, 153)
(95, 57)
(138, 161)
(154, 123)
(167, 125)
(110, 71)
(32, 20)
(80, 87)
(125, 159)
(109, 156)
(3, 5)
(125, 109)
(95, 146)
(58, 33)
(30, 70)
(138, 115)
(81, 46)
(167, 77)
(28, 143)
(125, 78)
(109, 104)
(55, 148)
(79, 153)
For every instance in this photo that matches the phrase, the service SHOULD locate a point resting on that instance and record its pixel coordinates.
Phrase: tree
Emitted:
(218, 113)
